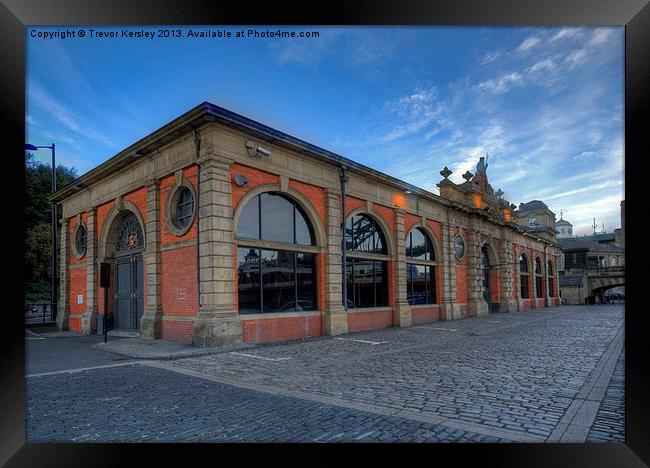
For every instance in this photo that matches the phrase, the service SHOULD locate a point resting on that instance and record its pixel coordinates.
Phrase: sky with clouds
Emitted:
(546, 104)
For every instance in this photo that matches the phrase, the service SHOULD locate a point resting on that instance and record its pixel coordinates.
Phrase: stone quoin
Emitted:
(221, 230)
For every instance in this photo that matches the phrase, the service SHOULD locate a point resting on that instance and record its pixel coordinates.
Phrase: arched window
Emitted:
(275, 280)
(129, 234)
(524, 277)
(420, 268)
(551, 279)
(366, 263)
(539, 280)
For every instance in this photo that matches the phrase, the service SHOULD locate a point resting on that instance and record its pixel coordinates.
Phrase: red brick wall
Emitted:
(255, 179)
(179, 282)
(280, 328)
(76, 277)
(177, 330)
(358, 321)
(425, 314)
(71, 229)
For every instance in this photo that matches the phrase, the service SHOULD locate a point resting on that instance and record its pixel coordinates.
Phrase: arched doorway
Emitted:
(129, 273)
(488, 280)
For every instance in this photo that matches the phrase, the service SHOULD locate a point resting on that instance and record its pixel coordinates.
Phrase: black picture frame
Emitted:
(633, 14)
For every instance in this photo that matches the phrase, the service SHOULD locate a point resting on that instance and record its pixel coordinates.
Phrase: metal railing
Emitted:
(39, 313)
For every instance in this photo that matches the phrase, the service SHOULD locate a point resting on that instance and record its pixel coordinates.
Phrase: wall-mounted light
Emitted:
(241, 180)
(255, 150)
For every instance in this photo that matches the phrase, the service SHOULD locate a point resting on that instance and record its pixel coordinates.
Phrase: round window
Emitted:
(459, 247)
(80, 241)
(181, 208)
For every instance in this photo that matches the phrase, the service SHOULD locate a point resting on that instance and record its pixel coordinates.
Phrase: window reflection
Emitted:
(363, 235)
(288, 281)
(282, 220)
(366, 282)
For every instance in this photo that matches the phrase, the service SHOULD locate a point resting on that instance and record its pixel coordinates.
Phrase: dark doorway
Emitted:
(129, 276)
(129, 298)
(487, 284)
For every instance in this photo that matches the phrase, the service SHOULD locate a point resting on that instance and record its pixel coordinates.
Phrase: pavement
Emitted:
(140, 348)
(533, 376)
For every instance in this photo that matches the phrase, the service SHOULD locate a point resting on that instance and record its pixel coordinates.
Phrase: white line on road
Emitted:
(437, 328)
(494, 321)
(72, 371)
(363, 341)
(261, 357)
(35, 334)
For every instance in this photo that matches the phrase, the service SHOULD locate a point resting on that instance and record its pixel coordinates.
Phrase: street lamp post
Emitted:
(53, 304)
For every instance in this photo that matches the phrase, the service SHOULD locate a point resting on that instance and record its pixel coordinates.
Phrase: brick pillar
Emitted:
(402, 309)
(448, 308)
(477, 306)
(151, 321)
(63, 311)
(508, 303)
(89, 319)
(336, 319)
(217, 323)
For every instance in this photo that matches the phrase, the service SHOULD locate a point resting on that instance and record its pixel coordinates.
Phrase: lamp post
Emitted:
(53, 304)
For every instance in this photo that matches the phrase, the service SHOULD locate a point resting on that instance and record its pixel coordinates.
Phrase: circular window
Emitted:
(181, 207)
(80, 238)
(459, 247)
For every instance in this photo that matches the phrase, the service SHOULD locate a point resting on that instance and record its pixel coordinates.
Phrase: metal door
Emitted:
(129, 292)
(486, 276)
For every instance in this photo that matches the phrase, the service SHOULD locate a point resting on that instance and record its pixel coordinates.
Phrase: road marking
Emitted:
(261, 357)
(494, 321)
(363, 341)
(437, 328)
(83, 369)
(35, 334)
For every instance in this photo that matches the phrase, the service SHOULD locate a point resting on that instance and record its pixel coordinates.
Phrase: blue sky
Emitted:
(545, 103)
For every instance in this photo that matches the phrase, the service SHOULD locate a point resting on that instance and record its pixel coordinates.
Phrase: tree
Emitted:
(38, 219)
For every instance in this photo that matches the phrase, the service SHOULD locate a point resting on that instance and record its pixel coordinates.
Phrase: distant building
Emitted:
(564, 228)
(535, 217)
(592, 266)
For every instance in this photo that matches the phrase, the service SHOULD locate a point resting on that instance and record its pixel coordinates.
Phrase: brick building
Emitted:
(221, 230)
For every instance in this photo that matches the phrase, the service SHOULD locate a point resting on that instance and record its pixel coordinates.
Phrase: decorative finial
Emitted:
(560, 214)
(467, 176)
(446, 172)
(499, 193)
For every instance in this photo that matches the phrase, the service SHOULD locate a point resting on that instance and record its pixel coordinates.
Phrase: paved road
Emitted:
(526, 376)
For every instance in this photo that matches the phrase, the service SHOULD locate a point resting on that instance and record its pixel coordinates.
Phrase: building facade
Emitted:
(220, 230)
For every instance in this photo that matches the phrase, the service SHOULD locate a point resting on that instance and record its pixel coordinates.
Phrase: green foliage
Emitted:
(38, 219)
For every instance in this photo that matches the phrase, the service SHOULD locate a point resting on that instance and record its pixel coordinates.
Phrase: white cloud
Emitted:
(566, 33)
(529, 43)
(600, 36)
(490, 57)
(500, 85)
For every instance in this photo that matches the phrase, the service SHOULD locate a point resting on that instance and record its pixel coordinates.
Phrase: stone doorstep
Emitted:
(140, 348)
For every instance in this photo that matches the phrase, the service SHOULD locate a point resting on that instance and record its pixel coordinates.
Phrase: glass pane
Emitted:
(431, 285)
(278, 281)
(277, 218)
(306, 278)
(418, 245)
(249, 220)
(524, 286)
(419, 282)
(538, 267)
(349, 245)
(364, 288)
(248, 280)
(350, 282)
(381, 284)
(363, 234)
(303, 232)
(380, 245)
(538, 280)
(523, 264)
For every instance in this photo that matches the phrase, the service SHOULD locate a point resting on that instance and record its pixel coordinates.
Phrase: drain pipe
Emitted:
(344, 178)
(197, 148)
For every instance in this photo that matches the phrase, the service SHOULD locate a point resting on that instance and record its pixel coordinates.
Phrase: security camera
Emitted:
(263, 151)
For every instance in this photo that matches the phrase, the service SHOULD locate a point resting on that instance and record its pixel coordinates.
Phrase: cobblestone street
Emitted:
(530, 376)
